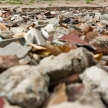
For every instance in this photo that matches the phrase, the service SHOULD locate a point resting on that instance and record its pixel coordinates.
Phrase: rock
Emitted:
(18, 35)
(49, 28)
(66, 64)
(59, 32)
(16, 19)
(72, 105)
(58, 96)
(7, 62)
(104, 17)
(15, 49)
(3, 27)
(25, 60)
(88, 18)
(81, 97)
(53, 21)
(24, 86)
(18, 29)
(97, 80)
(101, 44)
(45, 33)
(34, 36)
(6, 104)
(6, 34)
(75, 91)
(91, 35)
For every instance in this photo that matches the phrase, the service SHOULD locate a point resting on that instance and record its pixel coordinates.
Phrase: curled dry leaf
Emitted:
(36, 47)
(98, 57)
(3, 27)
(18, 35)
(43, 53)
(57, 97)
(56, 50)
(53, 49)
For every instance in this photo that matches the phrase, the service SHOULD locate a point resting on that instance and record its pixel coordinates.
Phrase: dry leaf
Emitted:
(7, 19)
(64, 48)
(43, 53)
(3, 27)
(91, 35)
(57, 97)
(98, 56)
(18, 35)
(36, 47)
(53, 49)
(87, 29)
(62, 25)
(76, 33)
(56, 50)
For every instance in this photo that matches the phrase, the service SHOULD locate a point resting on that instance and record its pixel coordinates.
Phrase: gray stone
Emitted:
(25, 60)
(73, 105)
(15, 49)
(24, 86)
(97, 80)
(18, 29)
(6, 34)
(83, 97)
(67, 64)
(34, 36)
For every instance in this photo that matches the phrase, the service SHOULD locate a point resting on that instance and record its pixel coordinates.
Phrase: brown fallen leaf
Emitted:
(3, 27)
(43, 53)
(53, 49)
(62, 25)
(98, 57)
(87, 29)
(36, 47)
(31, 26)
(7, 19)
(18, 35)
(56, 50)
(76, 33)
(91, 35)
(58, 96)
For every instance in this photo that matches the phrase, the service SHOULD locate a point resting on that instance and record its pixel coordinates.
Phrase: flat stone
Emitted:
(15, 49)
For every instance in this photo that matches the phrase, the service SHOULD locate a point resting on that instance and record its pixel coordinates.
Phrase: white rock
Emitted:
(49, 28)
(24, 86)
(97, 80)
(45, 33)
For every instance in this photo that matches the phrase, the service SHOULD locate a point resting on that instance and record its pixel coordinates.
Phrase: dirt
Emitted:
(59, 3)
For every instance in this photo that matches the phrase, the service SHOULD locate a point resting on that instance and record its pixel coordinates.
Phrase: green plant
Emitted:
(89, 1)
(0, 1)
(31, 1)
(50, 4)
(15, 1)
